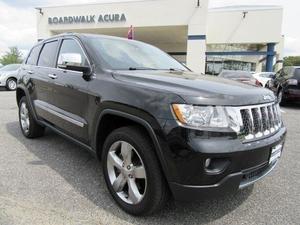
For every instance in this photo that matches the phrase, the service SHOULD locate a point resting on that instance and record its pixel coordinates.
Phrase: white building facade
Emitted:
(206, 40)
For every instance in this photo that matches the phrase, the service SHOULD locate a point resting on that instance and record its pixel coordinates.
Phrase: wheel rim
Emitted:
(12, 84)
(126, 172)
(24, 116)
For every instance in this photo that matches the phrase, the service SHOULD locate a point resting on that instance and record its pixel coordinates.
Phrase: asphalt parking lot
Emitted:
(53, 181)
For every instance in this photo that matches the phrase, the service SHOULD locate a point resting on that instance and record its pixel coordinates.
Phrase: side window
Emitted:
(48, 54)
(69, 47)
(34, 55)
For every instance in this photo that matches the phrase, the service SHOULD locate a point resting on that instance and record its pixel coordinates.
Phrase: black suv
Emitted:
(160, 130)
(286, 84)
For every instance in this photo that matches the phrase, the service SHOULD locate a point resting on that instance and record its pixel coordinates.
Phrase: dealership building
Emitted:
(206, 40)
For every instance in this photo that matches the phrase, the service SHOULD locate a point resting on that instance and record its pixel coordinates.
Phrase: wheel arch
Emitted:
(129, 120)
(20, 92)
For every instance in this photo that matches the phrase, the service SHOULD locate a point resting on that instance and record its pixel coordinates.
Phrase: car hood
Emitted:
(198, 89)
(6, 73)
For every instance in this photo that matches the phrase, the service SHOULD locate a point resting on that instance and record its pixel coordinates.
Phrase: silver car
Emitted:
(9, 76)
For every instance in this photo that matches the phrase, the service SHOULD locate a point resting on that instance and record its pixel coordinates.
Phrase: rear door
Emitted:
(45, 67)
(35, 81)
(70, 96)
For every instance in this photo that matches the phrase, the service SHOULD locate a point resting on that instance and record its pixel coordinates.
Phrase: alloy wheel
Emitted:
(126, 172)
(24, 116)
(12, 85)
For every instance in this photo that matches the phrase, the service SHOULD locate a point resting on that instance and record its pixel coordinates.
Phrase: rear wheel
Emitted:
(132, 172)
(11, 84)
(30, 128)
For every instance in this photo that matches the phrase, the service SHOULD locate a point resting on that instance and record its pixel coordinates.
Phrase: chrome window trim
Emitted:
(80, 45)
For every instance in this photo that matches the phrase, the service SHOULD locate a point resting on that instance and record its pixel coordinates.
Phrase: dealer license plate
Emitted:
(275, 153)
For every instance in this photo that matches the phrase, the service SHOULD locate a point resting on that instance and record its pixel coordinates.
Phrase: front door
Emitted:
(70, 96)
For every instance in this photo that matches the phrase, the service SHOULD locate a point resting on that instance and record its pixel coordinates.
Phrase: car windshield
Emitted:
(235, 74)
(118, 54)
(11, 67)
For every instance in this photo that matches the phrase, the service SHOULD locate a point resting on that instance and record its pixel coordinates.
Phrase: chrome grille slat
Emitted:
(260, 120)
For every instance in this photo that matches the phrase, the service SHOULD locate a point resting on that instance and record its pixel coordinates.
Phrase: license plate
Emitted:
(275, 153)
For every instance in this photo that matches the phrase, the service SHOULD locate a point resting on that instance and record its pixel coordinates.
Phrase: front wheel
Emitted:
(30, 128)
(11, 84)
(132, 172)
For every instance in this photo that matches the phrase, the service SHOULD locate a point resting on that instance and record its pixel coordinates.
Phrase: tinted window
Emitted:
(47, 56)
(70, 46)
(34, 55)
(119, 54)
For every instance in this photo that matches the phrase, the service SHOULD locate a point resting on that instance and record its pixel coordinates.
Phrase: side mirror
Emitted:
(72, 61)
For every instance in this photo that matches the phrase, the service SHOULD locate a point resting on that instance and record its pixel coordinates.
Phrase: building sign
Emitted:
(102, 18)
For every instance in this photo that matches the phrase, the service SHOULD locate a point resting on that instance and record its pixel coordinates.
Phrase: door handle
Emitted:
(30, 72)
(52, 76)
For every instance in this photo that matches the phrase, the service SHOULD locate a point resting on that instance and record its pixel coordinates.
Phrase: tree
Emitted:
(291, 61)
(11, 56)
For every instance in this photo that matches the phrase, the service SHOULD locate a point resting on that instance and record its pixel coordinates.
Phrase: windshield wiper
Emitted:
(141, 68)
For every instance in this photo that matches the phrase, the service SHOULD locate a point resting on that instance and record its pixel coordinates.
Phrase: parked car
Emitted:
(264, 78)
(240, 76)
(9, 76)
(286, 84)
(158, 128)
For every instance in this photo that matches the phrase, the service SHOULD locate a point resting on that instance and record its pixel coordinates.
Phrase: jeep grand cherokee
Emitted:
(159, 129)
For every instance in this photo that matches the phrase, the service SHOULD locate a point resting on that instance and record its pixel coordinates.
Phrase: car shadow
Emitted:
(3, 89)
(84, 173)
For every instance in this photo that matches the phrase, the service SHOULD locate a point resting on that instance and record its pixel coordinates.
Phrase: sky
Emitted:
(18, 20)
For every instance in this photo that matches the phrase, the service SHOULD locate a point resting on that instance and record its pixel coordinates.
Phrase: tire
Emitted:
(152, 189)
(11, 84)
(29, 126)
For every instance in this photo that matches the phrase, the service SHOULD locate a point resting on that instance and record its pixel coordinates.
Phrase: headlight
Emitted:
(201, 116)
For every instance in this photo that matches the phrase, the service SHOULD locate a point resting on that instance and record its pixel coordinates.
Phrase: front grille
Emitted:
(254, 174)
(260, 121)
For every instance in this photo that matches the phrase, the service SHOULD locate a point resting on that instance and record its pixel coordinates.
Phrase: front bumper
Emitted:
(229, 184)
(3, 79)
(187, 152)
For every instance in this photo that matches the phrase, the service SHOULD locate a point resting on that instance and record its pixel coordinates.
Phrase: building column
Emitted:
(196, 43)
(270, 57)
(196, 49)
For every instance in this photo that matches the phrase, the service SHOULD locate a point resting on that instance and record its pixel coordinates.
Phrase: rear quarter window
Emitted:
(34, 55)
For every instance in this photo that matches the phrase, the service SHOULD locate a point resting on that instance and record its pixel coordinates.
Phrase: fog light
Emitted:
(216, 166)
(207, 162)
